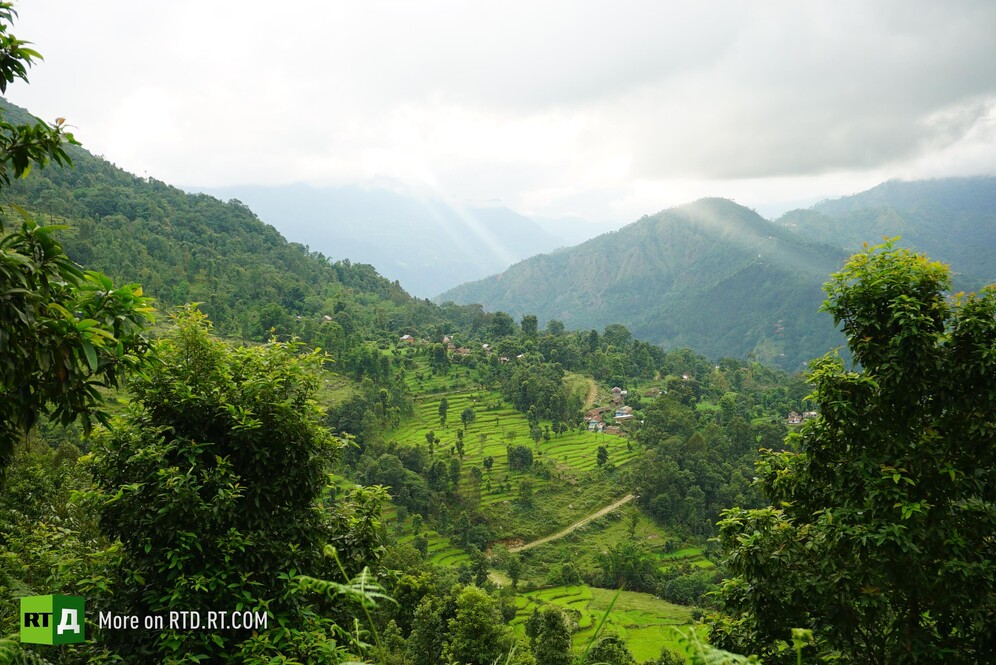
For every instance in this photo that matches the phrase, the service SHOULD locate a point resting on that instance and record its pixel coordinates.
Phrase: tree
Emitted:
(555, 327)
(549, 636)
(444, 405)
(609, 650)
(502, 325)
(602, 456)
(467, 417)
(529, 325)
(477, 633)
(881, 533)
(514, 569)
(64, 333)
(526, 490)
(519, 457)
(186, 482)
(488, 462)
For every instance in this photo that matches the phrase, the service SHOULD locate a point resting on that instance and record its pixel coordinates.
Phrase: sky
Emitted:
(601, 110)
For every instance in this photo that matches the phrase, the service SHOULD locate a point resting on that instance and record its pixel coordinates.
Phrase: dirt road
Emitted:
(576, 525)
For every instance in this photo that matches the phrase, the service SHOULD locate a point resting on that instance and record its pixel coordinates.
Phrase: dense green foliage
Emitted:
(881, 533)
(64, 333)
(214, 487)
(186, 483)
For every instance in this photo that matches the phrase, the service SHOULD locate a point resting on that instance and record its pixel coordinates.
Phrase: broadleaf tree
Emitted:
(214, 484)
(65, 333)
(882, 530)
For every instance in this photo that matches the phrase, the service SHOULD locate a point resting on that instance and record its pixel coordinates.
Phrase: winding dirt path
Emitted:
(577, 525)
(592, 394)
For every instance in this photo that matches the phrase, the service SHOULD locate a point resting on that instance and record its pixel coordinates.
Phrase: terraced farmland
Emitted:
(645, 622)
(441, 551)
(560, 462)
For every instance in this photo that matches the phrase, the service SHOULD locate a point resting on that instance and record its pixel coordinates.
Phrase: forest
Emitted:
(200, 419)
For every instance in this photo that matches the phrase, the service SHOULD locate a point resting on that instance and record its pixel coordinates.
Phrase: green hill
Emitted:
(195, 248)
(711, 275)
(951, 219)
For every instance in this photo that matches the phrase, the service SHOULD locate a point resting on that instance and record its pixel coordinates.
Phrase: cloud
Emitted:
(555, 108)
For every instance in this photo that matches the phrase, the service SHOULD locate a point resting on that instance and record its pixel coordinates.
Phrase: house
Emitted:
(503, 359)
(612, 429)
(794, 418)
(809, 415)
(463, 351)
(447, 339)
(616, 391)
(407, 339)
(624, 411)
(624, 417)
(326, 318)
(485, 347)
(595, 426)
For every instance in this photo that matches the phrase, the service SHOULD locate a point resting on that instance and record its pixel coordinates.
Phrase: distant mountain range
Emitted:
(711, 275)
(716, 277)
(951, 219)
(425, 243)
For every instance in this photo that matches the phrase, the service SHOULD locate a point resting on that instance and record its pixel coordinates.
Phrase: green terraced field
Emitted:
(568, 457)
(645, 622)
(441, 551)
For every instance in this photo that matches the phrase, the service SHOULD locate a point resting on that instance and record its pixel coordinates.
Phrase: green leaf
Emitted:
(91, 354)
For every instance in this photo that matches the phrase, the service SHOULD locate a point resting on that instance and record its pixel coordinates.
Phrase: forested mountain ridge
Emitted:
(195, 248)
(951, 219)
(710, 275)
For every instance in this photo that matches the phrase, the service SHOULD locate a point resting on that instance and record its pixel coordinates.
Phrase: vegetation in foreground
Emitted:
(220, 480)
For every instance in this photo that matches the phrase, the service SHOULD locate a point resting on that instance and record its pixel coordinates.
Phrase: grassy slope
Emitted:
(645, 622)
(576, 489)
(571, 458)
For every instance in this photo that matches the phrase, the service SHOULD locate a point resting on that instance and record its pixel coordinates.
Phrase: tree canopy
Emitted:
(64, 332)
(882, 527)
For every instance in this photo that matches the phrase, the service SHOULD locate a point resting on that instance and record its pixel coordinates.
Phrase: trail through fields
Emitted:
(592, 393)
(575, 526)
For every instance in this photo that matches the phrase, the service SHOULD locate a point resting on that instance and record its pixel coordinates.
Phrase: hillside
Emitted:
(195, 248)
(951, 219)
(427, 244)
(711, 275)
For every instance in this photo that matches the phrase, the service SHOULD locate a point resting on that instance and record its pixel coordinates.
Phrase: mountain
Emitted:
(427, 244)
(711, 275)
(951, 220)
(195, 248)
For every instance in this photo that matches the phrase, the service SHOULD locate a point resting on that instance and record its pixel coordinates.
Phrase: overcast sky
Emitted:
(606, 110)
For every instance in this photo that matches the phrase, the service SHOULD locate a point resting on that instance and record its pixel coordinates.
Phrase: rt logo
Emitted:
(52, 620)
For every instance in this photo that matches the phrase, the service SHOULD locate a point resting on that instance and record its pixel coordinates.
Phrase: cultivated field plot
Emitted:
(441, 551)
(567, 457)
(644, 622)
